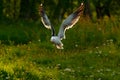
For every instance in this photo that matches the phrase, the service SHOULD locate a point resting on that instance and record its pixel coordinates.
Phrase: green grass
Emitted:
(91, 52)
(31, 62)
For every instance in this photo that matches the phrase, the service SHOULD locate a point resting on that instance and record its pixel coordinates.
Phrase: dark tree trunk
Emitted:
(28, 10)
(25, 9)
(104, 9)
(1, 9)
(87, 10)
(62, 7)
(99, 10)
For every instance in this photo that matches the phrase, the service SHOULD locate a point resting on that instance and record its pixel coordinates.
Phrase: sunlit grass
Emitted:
(36, 63)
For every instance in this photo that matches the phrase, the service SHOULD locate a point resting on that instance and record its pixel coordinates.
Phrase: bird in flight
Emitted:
(69, 22)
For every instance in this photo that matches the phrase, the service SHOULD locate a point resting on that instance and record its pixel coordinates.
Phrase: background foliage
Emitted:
(57, 9)
(91, 48)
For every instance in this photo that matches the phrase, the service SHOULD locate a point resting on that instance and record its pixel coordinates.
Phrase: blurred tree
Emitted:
(115, 7)
(102, 8)
(60, 9)
(1, 9)
(56, 9)
(87, 10)
(27, 10)
(63, 9)
(11, 9)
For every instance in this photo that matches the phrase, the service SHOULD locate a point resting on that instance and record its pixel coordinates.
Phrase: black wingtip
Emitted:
(81, 8)
(41, 10)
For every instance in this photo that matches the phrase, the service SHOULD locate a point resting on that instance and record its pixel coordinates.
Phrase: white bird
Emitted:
(69, 22)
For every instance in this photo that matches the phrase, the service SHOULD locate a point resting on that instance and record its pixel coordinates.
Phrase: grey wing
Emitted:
(70, 21)
(45, 20)
(44, 17)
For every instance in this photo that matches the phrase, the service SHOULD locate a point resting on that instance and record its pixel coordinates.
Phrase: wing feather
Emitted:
(44, 17)
(45, 20)
(70, 21)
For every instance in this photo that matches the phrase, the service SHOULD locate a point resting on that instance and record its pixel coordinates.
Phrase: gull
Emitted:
(68, 23)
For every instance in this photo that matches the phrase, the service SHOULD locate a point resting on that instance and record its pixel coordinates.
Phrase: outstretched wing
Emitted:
(45, 20)
(70, 21)
(44, 17)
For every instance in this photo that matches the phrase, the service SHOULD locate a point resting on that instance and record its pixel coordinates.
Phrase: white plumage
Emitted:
(69, 22)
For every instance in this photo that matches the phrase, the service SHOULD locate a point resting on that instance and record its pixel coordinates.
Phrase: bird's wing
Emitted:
(70, 21)
(45, 20)
(44, 17)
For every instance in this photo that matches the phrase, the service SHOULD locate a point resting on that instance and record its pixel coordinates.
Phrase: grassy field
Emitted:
(92, 52)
